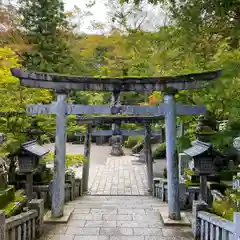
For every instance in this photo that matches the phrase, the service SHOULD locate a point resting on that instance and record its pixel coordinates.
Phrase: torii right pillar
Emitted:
(171, 155)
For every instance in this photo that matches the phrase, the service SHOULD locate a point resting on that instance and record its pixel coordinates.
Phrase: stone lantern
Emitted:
(202, 164)
(28, 161)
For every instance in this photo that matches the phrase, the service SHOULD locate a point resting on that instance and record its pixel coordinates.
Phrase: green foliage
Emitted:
(46, 26)
(227, 175)
(71, 159)
(137, 148)
(226, 207)
(133, 141)
(188, 172)
(16, 205)
(14, 98)
(6, 196)
(223, 208)
(160, 151)
(183, 143)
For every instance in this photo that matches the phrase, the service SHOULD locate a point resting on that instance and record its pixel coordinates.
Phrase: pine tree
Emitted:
(46, 27)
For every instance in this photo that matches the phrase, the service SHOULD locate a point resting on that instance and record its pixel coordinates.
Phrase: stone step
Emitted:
(118, 218)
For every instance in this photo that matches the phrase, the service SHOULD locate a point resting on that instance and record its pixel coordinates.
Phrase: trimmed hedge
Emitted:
(133, 141)
(160, 151)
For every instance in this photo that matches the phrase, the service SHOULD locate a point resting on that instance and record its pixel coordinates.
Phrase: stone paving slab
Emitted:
(121, 222)
(119, 176)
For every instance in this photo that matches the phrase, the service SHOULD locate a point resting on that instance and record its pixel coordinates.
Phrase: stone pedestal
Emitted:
(117, 146)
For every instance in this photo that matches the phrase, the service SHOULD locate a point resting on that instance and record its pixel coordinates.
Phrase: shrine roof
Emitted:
(198, 149)
(34, 148)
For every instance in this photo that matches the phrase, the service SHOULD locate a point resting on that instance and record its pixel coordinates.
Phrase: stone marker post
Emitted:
(171, 155)
(148, 156)
(87, 147)
(203, 188)
(29, 186)
(58, 189)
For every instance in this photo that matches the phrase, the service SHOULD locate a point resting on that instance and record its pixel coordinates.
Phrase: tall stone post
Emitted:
(203, 188)
(171, 155)
(58, 187)
(29, 186)
(148, 155)
(116, 138)
(87, 147)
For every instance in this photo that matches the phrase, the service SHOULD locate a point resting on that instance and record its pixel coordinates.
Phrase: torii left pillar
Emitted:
(58, 187)
(171, 155)
(87, 148)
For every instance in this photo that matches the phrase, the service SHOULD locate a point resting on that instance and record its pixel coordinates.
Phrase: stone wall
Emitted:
(73, 189)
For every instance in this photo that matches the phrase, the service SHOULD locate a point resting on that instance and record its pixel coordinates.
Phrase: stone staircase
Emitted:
(117, 217)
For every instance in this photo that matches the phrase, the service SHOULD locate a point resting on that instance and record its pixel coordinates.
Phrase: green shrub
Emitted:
(227, 206)
(160, 151)
(129, 126)
(71, 159)
(188, 172)
(16, 205)
(6, 196)
(183, 143)
(223, 208)
(227, 175)
(137, 148)
(132, 141)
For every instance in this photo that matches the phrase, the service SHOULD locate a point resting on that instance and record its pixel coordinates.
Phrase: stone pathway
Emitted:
(116, 218)
(119, 176)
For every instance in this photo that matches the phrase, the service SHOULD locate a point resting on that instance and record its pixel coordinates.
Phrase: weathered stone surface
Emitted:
(119, 176)
(142, 84)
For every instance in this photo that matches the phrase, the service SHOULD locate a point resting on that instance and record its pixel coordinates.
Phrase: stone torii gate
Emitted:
(169, 85)
(146, 120)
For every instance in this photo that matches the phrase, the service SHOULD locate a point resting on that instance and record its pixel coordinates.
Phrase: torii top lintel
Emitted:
(64, 82)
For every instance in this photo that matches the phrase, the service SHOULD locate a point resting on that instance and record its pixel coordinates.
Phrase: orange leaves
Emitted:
(152, 100)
